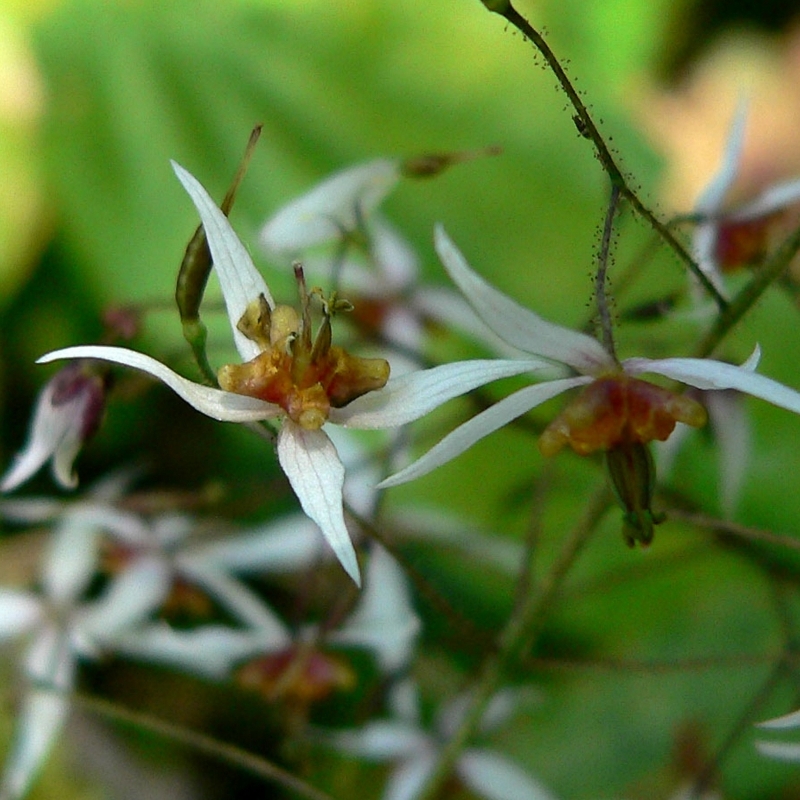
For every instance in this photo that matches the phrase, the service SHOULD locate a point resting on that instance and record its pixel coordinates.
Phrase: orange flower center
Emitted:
(618, 410)
(306, 377)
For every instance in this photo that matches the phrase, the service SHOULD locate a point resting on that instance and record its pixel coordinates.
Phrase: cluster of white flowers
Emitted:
(312, 393)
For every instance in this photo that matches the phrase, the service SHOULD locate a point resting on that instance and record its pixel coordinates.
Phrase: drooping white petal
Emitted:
(518, 325)
(403, 701)
(384, 619)
(237, 599)
(731, 426)
(241, 282)
(39, 722)
(393, 255)
(291, 543)
(332, 207)
(316, 474)
(215, 403)
(19, 611)
(705, 373)
(784, 751)
(55, 433)
(31, 509)
(211, 651)
(382, 740)
(50, 660)
(493, 777)
(488, 421)
(414, 394)
(782, 723)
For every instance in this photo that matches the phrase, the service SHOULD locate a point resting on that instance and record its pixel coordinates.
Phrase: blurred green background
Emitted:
(96, 97)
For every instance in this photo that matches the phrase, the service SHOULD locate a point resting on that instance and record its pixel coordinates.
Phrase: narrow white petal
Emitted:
(39, 722)
(518, 325)
(713, 196)
(241, 282)
(212, 650)
(415, 394)
(382, 740)
(290, 544)
(243, 604)
(488, 421)
(50, 659)
(72, 557)
(19, 611)
(331, 208)
(31, 509)
(784, 722)
(408, 779)
(705, 373)
(316, 474)
(493, 777)
(215, 403)
(780, 750)
(384, 619)
(772, 199)
(393, 255)
(130, 597)
(731, 425)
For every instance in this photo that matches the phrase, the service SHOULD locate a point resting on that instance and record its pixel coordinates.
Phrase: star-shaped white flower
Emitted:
(61, 629)
(305, 452)
(726, 238)
(591, 425)
(67, 413)
(403, 741)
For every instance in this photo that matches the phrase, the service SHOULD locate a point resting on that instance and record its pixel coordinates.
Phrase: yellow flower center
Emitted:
(305, 376)
(618, 410)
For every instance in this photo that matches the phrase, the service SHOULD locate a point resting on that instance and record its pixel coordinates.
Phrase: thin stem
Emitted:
(522, 629)
(589, 130)
(601, 298)
(222, 751)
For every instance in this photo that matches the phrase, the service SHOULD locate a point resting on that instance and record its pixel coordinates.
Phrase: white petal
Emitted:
(241, 282)
(705, 373)
(237, 599)
(488, 421)
(31, 509)
(211, 650)
(215, 403)
(316, 474)
(393, 255)
(72, 557)
(130, 597)
(408, 779)
(731, 425)
(780, 750)
(39, 722)
(517, 325)
(55, 431)
(415, 394)
(290, 544)
(19, 611)
(495, 778)
(791, 720)
(770, 200)
(51, 660)
(332, 207)
(403, 701)
(713, 196)
(384, 619)
(382, 740)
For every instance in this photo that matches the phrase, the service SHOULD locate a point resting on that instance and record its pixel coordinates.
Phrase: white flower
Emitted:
(67, 413)
(785, 751)
(727, 238)
(595, 420)
(61, 630)
(403, 740)
(305, 452)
